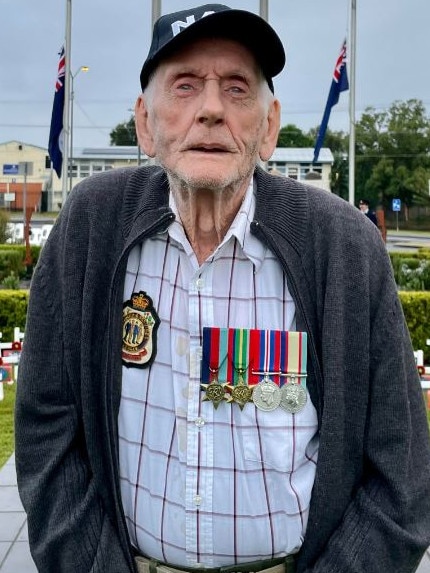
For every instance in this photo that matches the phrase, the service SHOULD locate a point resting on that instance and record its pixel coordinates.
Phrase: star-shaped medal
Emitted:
(215, 392)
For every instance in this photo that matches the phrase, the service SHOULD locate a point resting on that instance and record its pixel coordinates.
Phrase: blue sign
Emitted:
(397, 205)
(10, 168)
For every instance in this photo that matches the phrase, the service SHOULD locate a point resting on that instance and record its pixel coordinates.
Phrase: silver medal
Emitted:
(293, 397)
(266, 395)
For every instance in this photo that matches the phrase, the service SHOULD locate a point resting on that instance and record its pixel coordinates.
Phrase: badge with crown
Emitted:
(139, 331)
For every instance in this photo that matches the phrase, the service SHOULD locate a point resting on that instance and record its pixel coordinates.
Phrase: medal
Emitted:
(293, 396)
(266, 395)
(139, 331)
(293, 374)
(215, 392)
(241, 393)
(279, 358)
(213, 344)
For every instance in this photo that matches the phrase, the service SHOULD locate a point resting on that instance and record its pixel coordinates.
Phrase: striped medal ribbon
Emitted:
(267, 394)
(293, 374)
(214, 363)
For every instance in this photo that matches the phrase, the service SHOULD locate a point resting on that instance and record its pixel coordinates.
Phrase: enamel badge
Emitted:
(139, 331)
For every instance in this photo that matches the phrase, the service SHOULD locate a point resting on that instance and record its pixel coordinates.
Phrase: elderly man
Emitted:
(213, 378)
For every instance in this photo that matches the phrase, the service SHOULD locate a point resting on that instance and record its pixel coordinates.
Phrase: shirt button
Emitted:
(197, 499)
(200, 283)
(199, 422)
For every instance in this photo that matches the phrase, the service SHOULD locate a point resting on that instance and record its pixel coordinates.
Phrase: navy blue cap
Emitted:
(174, 30)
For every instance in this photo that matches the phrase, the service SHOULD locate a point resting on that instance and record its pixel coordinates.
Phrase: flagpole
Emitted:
(352, 36)
(66, 117)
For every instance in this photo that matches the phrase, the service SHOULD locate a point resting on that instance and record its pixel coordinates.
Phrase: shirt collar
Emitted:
(240, 229)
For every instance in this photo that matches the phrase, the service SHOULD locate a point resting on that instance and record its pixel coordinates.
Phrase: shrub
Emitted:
(13, 311)
(11, 262)
(25, 271)
(416, 308)
(411, 272)
(4, 226)
(11, 282)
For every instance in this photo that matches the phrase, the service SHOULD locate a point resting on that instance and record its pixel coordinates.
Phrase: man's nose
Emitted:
(211, 110)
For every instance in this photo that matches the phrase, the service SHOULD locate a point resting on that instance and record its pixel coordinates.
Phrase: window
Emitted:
(292, 172)
(84, 169)
(305, 168)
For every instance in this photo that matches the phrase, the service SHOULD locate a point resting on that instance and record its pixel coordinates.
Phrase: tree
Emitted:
(124, 133)
(292, 136)
(5, 232)
(392, 154)
(337, 142)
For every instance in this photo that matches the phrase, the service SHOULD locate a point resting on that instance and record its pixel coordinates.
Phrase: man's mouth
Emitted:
(208, 149)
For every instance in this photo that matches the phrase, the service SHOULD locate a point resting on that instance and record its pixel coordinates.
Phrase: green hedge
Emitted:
(13, 311)
(12, 258)
(412, 270)
(416, 307)
(11, 262)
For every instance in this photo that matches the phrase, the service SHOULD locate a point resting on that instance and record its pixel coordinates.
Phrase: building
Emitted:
(296, 162)
(27, 176)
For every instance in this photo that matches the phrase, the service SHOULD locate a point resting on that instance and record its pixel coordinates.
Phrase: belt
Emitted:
(278, 565)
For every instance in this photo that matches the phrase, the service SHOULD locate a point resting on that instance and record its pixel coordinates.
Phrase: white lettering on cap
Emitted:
(179, 25)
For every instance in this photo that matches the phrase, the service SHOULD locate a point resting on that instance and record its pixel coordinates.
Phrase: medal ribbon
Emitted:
(223, 355)
(270, 354)
(241, 354)
(226, 350)
(210, 353)
(294, 355)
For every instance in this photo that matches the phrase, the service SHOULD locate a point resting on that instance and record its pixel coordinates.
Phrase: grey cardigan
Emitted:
(370, 508)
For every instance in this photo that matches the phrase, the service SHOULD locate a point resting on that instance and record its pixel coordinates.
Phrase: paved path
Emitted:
(14, 551)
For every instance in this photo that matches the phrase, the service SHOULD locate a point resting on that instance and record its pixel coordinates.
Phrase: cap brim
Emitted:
(242, 26)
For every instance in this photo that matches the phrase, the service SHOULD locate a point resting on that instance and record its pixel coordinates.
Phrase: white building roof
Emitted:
(301, 155)
(112, 152)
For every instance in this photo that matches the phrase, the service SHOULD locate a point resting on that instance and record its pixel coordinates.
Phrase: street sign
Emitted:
(10, 169)
(396, 205)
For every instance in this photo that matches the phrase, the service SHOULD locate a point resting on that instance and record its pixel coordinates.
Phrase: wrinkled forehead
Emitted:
(222, 56)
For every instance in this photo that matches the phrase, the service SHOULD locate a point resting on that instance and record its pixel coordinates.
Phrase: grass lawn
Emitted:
(7, 423)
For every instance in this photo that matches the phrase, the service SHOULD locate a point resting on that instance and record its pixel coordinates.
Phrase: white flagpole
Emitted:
(264, 9)
(351, 57)
(66, 116)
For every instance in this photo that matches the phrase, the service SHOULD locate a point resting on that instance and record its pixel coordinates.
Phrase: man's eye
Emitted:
(184, 87)
(236, 90)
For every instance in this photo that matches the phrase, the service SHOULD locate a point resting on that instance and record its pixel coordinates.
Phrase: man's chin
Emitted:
(211, 180)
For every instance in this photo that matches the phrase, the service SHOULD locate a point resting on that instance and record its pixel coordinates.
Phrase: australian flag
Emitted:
(338, 84)
(55, 145)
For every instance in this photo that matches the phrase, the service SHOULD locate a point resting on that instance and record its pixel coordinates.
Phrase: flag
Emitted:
(55, 145)
(339, 84)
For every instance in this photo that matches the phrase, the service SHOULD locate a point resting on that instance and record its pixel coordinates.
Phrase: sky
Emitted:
(112, 38)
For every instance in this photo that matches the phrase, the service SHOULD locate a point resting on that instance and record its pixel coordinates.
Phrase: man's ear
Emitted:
(143, 130)
(269, 140)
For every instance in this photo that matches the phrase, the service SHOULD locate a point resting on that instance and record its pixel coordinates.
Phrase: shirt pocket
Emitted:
(276, 439)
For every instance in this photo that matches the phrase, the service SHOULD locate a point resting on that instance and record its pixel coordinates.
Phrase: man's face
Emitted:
(363, 207)
(208, 114)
